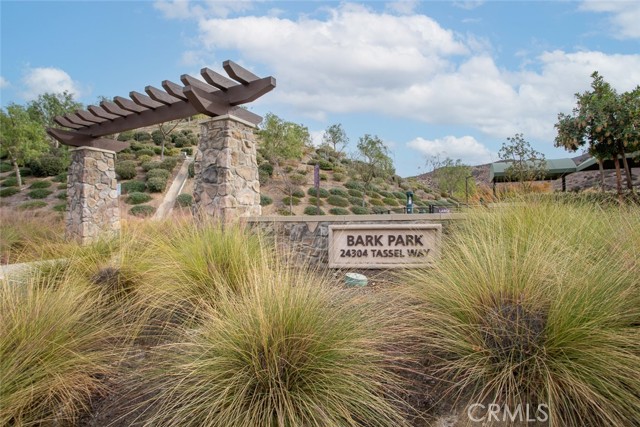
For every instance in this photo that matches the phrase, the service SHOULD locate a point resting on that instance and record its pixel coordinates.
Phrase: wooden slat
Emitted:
(241, 94)
(75, 139)
(127, 104)
(73, 118)
(188, 80)
(205, 102)
(85, 115)
(115, 109)
(174, 89)
(101, 112)
(217, 80)
(62, 121)
(160, 95)
(144, 100)
(246, 115)
(238, 73)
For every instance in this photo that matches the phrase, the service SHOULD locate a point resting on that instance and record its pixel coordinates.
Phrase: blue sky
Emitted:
(448, 78)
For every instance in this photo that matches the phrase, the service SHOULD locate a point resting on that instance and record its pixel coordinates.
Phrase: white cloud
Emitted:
(624, 15)
(469, 4)
(316, 137)
(402, 7)
(4, 82)
(48, 79)
(466, 148)
(185, 9)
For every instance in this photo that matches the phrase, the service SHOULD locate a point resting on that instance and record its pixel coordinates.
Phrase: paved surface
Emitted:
(169, 200)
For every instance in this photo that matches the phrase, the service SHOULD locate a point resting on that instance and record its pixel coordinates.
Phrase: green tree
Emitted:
(525, 163)
(22, 137)
(336, 137)
(372, 161)
(449, 175)
(606, 122)
(282, 140)
(49, 105)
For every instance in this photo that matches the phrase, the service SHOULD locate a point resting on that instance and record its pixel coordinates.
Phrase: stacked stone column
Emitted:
(92, 195)
(226, 171)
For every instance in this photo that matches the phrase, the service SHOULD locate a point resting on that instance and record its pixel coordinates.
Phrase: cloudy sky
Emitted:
(448, 78)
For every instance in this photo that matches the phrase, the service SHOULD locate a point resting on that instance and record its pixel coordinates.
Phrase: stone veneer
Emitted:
(307, 237)
(92, 196)
(226, 171)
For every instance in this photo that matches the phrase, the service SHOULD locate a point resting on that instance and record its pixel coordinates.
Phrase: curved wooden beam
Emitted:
(160, 95)
(101, 112)
(238, 73)
(144, 100)
(75, 139)
(127, 104)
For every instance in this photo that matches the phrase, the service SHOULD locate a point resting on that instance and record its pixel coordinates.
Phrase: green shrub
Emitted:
(157, 137)
(126, 136)
(133, 186)
(142, 210)
(379, 210)
(376, 202)
(267, 168)
(142, 136)
(154, 164)
(5, 167)
(284, 212)
(62, 195)
(265, 200)
(145, 152)
(400, 196)
(188, 151)
(156, 184)
(263, 176)
(48, 165)
(169, 163)
(355, 201)
(354, 185)
(538, 302)
(389, 201)
(34, 204)
(298, 192)
(338, 211)
(11, 181)
(25, 172)
(323, 177)
(144, 159)
(315, 201)
(39, 193)
(192, 170)
(322, 192)
(374, 195)
(338, 201)
(60, 207)
(158, 150)
(9, 191)
(338, 177)
(126, 169)
(137, 198)
(313, 210)
(62, 186)
(298, 179)
(338, 192)
(325, 165)
(60, 178)
(359, 210)
(184, 200)
(385, 194)
(290, 201)
(40, 184)
(355, 193)
(158, 173)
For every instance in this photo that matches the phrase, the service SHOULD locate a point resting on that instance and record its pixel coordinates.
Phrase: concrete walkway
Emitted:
(169, 200)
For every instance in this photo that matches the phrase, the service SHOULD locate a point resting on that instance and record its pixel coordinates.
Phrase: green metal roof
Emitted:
(591, 164)
(556, 168)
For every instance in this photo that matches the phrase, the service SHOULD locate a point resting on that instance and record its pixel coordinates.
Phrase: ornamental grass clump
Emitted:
(291, 351)
(56, 348)
(538, 303)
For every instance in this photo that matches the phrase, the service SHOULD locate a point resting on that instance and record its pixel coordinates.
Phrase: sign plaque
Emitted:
(383, 246)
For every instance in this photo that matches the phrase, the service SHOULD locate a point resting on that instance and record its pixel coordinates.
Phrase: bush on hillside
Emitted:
(313, 210)
(153, 164)
(48, 165)
(137, 198)
(133, 186)
(390, 201)
(354, 185)
(266, 168)
(12, 181)
(142, 210)
(40, 184)
(158, 173)
(125, 136)
(338, 192)
(5, 167)
(338, 177)
(337, 201)
(338, 211)
(359, 210)
(184, 200)
(322, 192)
(9, 191)
(156, 184)
(356, 193)
(126, 169)
(265, 200)
(145, 152)
(39, 193)
(34, 204)
(290, 201)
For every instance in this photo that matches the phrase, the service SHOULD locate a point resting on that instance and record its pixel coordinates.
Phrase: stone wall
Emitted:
(92, 197)
(308, 236)
(226, 171)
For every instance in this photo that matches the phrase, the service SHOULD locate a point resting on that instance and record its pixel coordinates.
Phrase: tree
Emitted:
(449, 175)
(22, 137)
(606, 122)
(336, 137)
(372, 161)
(165, 130)
(49, 105)
(525, 163)
(282, 140)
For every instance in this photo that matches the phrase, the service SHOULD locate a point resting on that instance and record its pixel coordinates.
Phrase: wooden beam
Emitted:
(101, 112)
(160, 95)
(217, 80)
(73, 118)
(144, 100)
(114, 109)
(238, 73)
(241, 94)
(174, 89)
(84, 115)
(187, 80)
(62, 121)
(205, 102)
(245, 115)
(127, 104)
(75, 139)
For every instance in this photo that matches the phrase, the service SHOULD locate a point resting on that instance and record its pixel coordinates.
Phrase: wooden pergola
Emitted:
(217, 95)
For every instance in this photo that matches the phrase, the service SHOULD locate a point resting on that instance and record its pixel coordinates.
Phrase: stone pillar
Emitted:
(226, 171)
(92, 195)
